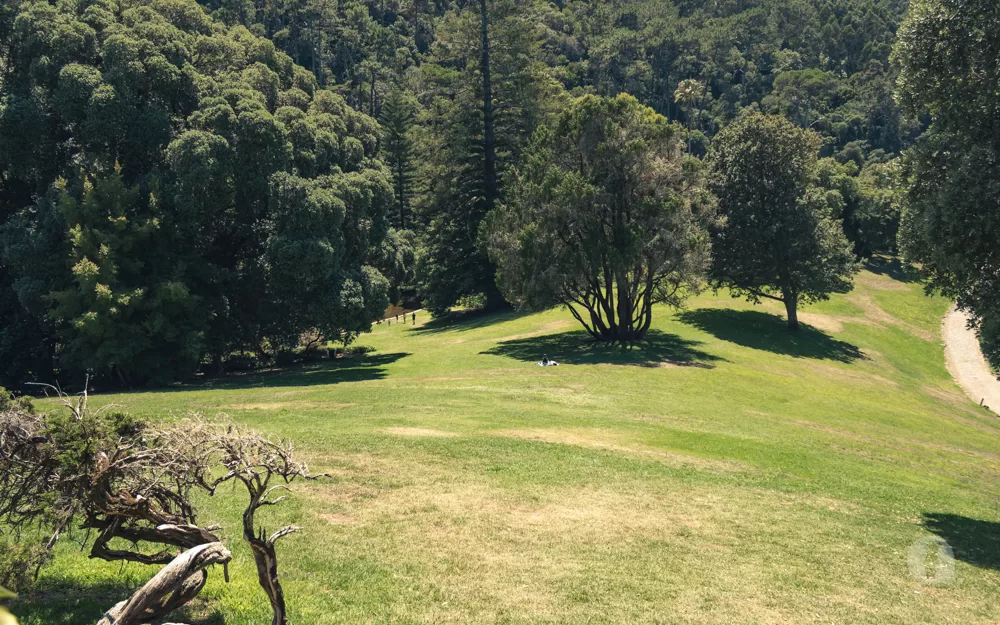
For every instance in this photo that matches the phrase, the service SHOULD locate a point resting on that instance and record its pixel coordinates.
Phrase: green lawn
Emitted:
(727, 472)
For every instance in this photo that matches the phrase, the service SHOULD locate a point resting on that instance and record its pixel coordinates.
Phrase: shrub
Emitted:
(358, 350)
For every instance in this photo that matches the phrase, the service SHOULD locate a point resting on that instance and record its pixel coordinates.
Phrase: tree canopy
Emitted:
(779, 237)
(174, 190)
(947, 53)
(190, 184)
(606, 216)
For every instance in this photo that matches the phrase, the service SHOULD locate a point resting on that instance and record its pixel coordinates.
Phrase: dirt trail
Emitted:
(966, 362)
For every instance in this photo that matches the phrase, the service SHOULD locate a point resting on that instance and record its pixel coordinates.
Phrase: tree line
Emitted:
(188, 183)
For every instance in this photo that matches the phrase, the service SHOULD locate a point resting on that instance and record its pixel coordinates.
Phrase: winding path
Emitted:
(966, 362)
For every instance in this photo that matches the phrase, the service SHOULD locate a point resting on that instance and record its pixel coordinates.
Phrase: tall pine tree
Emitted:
(487, 93)
(397, 151)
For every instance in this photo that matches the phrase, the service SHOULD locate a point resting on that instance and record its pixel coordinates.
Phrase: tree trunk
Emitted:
(489, 141)
(265, 558)
(791, 305)
(494, 299)
(175, 584)
(401, 192)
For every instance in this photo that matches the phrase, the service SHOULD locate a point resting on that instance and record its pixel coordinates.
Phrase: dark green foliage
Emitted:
(605, 216)
(876, 220)
(825, 64)
(9, 402)
(869, 201)
(821, 61)
(948, 51)
(398, 262)
(470, 145)
(781, 237)
(398, 152)
(181, 183)
(989, 338)
(175, 190)
(804, 96)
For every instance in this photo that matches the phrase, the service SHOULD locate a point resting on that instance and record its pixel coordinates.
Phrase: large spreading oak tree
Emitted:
(606, 216)
(778, 237)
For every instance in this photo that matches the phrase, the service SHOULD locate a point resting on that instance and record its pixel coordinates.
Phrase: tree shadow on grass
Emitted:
(578, 347)
(465, 320)
(764, 331)
(67, 601)
(893, 268)
(973, 541)
(349, 369)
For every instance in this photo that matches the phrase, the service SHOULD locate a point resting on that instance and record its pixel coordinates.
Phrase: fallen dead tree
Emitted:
(175, 585)
(127, 483)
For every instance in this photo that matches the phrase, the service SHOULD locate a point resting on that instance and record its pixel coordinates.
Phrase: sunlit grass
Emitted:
(726, 472)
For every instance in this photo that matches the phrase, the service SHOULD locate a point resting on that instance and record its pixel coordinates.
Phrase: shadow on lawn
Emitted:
(578, 347)
(973, 541)
(351, 369)
(764, 331)
(65, 601)
(465, 320)
(893, 268)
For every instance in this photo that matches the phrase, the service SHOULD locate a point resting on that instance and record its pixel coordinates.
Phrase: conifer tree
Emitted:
(397, 151)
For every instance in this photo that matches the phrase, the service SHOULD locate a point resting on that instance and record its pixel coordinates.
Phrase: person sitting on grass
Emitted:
(546, 362)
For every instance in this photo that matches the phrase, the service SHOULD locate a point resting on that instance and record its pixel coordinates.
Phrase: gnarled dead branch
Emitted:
(132, 482)
(263, 467)
(175, 584)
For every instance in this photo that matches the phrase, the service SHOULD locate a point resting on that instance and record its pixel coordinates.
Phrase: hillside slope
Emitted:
(728, 472)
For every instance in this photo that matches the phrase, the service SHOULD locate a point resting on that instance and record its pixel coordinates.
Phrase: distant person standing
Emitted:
(414, 318)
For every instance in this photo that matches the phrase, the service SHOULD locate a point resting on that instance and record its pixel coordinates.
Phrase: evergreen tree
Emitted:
(605, 216)
(479, 121)
(947, 51)
(174, 190)
(779, 238)
(397, 151)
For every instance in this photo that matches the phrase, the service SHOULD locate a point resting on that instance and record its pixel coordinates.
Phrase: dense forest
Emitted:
(189, 185)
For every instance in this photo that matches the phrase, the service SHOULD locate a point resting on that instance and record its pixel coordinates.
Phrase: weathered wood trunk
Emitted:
(265, 558)
(175, 585)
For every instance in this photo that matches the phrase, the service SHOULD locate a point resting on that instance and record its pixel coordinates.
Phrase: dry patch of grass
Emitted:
(605, 440)
(878, 315)
(879, 282)
(337, 519)
(813, 368)
(950, 395)
(831, 323)
(560, 553)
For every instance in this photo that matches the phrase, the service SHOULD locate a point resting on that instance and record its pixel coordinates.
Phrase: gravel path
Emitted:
(966, 363)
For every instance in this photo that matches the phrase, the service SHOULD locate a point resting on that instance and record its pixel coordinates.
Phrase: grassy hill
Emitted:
(727, 472)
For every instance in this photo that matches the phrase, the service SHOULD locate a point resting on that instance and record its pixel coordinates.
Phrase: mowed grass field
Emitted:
(727, 472)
